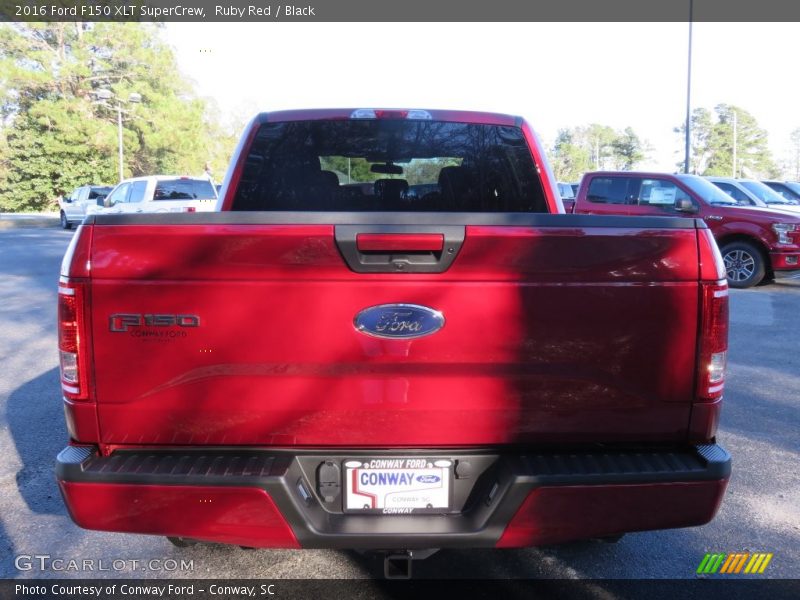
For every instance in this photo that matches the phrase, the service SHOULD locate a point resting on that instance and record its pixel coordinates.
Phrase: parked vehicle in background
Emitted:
(749, 192)
(329, 365)
(575, 187)
(754, 241)
(565, 191)
(73, 208)
(160, 193)
(789, 190)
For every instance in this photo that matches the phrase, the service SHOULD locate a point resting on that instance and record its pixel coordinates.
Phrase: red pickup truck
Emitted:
(390, 337)
(755, 242)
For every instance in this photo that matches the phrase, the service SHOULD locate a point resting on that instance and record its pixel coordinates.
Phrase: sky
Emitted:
(556, 75)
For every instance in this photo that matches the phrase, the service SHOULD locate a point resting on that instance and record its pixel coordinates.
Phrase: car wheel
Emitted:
(65, 224)
(744, 264)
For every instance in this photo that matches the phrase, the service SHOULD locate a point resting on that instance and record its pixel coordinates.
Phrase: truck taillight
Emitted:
(71, 341)
(713, 344)
(712, 355)
(76, 269)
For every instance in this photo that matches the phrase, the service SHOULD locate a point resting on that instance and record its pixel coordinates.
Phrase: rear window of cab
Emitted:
(389, 165)
(184, 189)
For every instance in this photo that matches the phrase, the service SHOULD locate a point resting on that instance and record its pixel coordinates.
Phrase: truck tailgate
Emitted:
(238, 329)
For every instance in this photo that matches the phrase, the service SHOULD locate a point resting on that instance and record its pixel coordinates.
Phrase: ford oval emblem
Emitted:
(399, 321)
(428, 478)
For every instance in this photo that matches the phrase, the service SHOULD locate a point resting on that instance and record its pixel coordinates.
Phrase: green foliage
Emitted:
(569, 159)
(628, 150)
(60, 134)
(422, 171)
(357, 170)
(702, 125)
(600, 140)
(48, 156)
(350, 170)
(712, 144)
(595, 147)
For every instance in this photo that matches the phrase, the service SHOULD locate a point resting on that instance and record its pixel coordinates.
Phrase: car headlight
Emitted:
(783, 230)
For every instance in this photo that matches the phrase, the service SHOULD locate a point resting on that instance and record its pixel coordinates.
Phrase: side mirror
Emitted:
(65, 199)
(101, 200)
(685, 205)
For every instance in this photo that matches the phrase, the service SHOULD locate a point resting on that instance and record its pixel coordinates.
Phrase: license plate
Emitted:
(398, 486)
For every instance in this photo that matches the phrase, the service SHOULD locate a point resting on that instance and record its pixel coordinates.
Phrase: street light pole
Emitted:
(103, 96)
(689, 95)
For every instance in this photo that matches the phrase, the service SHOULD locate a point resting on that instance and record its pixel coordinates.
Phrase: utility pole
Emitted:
(734, 144)
(689, 95)
(103, 96)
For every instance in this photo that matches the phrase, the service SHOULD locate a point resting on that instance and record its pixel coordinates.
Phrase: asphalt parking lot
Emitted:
(760, 425)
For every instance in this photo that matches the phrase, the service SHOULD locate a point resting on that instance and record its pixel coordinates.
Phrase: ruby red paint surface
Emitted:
(552, 515)
(231, 515)
(550, 336)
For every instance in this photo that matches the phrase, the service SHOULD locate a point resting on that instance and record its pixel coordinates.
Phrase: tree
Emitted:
(569, 159)
(48, 155)
(628, 150)
(713, 144)
(701, 126)
(600, 140)
(61, 133)
(358, 169)
(594, 147)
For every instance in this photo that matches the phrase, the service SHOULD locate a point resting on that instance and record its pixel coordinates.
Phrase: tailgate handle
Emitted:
(408, 242)
(399, 248)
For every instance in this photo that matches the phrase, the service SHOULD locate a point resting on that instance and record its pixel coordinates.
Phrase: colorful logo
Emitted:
(734, 564)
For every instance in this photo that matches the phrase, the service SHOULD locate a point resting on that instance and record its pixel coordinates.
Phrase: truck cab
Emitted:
(159, 193)
(755, 242)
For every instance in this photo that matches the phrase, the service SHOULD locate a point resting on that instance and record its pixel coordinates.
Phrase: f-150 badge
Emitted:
(152, 326)
(399, 321)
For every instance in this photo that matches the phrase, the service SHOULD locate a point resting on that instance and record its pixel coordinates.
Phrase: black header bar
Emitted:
(369, 589)
(400, 11)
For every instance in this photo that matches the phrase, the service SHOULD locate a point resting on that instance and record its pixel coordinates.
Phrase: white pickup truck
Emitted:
(159, 193)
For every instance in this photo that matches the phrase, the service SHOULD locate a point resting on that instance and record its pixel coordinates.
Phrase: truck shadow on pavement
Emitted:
(7, 552)
(556, 562)
(35, 420)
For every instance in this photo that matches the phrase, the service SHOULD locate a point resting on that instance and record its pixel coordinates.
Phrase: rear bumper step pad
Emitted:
(136, 490)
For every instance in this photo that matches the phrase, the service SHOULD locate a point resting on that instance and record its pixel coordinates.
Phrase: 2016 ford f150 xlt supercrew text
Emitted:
(391, 337)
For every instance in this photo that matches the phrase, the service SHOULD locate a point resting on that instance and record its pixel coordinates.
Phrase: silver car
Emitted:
(73, 208)
(790, 190)
(749, 192)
